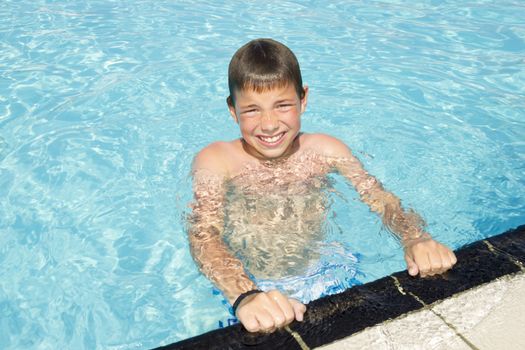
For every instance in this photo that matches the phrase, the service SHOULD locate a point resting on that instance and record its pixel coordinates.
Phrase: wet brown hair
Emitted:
(261, 65)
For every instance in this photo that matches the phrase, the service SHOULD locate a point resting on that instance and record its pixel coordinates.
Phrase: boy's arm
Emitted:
(206, 228)
(257, 312)
(422, 254)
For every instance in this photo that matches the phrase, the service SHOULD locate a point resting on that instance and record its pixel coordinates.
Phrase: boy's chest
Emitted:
(294, 175)
(284, 192)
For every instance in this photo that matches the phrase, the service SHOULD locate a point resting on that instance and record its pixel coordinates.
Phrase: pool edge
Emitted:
(338, 316)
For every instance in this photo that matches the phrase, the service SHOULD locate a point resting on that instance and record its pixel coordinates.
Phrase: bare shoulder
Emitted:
(213, 158)
(326, 145)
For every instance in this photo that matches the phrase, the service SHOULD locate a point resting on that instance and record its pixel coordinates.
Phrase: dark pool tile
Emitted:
(337, 316)
(236, 337)
(476, 265)
(511, 242)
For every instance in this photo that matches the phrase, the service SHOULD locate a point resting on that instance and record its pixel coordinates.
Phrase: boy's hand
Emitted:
(265, 312)
(428, 257)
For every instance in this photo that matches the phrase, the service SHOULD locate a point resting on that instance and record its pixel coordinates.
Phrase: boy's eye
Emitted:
(284, 106)
(249, 112)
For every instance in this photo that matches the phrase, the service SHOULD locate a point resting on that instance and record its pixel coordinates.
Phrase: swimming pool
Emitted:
(104, 103)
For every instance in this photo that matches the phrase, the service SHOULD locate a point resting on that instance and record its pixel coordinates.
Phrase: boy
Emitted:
(274, 165)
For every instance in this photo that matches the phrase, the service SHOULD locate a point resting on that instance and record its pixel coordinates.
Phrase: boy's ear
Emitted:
(304, 100)
(231, 108)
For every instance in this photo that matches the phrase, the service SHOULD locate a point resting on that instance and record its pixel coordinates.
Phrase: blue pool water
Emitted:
(104, 103)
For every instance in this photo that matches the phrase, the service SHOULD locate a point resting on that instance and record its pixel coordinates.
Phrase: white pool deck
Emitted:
(487, 317)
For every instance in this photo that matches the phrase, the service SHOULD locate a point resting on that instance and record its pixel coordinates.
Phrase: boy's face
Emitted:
(269, 120)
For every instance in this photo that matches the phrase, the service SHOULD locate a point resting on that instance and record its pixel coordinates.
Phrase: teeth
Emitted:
(271, 139)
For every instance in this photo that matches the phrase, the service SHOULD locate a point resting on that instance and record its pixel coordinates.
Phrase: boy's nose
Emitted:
(269, 122)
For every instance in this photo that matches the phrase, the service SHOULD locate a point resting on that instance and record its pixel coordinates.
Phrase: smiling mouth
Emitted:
(273, 139)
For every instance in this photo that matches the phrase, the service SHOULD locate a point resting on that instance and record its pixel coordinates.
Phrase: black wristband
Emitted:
(241, 298)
